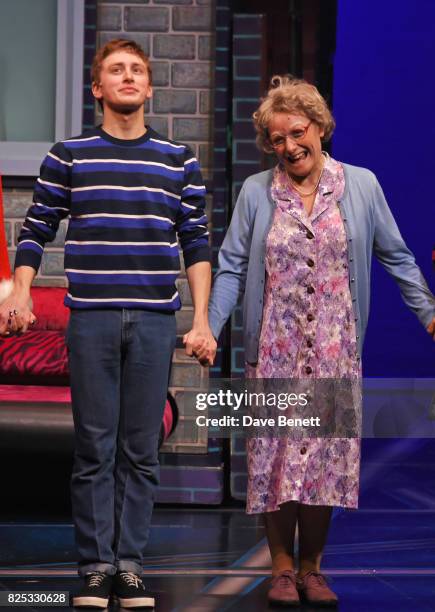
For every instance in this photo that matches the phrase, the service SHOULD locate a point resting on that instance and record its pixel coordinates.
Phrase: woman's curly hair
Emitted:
(287, 94)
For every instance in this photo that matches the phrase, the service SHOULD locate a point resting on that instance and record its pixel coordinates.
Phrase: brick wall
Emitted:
(178, 37)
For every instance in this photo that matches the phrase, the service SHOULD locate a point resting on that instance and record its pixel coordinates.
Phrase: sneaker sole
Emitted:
(137, 602)
(322, 604)
(90, 602)
(284, 604)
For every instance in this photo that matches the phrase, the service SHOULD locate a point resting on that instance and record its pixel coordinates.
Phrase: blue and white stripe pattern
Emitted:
(128, 201)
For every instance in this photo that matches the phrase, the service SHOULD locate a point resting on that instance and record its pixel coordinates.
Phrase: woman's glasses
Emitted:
(278, 141)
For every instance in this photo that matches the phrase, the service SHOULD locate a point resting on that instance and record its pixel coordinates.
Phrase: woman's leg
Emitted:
(313, 525)
(280, 531)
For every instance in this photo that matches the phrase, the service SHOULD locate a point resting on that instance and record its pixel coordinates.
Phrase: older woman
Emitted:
(299, 248)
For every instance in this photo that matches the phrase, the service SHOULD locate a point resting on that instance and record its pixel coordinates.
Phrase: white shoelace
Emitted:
(96, 580)
(132, 579)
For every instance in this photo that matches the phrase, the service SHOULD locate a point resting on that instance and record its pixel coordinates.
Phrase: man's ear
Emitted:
(150, 92)
(96, 90)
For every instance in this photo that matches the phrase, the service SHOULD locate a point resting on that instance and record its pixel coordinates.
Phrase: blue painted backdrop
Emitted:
(384, 105)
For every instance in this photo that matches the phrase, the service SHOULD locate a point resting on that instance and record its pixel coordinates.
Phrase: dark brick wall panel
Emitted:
(192, 18)
(174, 46)
(191, 75)
(110, 18)
(146, 19)
(249, 45)
(183, 102)
(160, 73)
(191, 129)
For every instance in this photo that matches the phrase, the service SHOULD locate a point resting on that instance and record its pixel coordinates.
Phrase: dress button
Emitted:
(310, 289)
(303, 450)
(309, 343)
(310, 317)
(310, 235)
(309, 370)
(310, 263)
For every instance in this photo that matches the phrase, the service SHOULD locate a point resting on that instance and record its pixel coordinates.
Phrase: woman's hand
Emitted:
(431, 328)
(200, 343)
(15, 313)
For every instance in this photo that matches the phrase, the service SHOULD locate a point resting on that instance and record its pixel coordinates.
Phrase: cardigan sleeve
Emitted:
(397, 259)
(230, 280)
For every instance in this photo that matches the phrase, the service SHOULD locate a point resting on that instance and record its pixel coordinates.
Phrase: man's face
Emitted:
(124, 82)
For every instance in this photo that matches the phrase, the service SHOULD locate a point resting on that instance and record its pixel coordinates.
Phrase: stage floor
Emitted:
(217, 559)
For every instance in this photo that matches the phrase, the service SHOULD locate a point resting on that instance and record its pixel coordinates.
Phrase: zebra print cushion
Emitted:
(36, 357)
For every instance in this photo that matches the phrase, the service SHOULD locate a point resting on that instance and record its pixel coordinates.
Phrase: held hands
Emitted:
(200, 343)
(15, 310)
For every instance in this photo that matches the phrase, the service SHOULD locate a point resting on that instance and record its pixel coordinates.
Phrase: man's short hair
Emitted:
(118, 44)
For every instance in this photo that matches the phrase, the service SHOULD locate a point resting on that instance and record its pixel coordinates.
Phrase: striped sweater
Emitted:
(128, 200)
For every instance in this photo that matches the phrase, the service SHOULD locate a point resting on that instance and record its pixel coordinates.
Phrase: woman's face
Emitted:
(297, 143)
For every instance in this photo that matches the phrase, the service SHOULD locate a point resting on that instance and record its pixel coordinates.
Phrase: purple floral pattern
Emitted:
(308, 331)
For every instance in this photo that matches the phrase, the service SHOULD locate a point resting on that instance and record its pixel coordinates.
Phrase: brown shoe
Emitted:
(283, 591)
(314, 589)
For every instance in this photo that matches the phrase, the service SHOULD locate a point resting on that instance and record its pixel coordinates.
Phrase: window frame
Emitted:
(24, 158)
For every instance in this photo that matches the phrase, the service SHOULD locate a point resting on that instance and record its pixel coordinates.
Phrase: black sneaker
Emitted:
(130, 591)
(95, 592)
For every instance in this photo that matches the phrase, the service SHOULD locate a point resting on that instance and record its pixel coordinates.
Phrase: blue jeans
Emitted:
(119, 366)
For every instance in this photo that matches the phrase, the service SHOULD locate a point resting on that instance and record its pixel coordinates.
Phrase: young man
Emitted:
(129, 193)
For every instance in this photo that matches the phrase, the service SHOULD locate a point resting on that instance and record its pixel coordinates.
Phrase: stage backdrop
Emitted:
(384, 96)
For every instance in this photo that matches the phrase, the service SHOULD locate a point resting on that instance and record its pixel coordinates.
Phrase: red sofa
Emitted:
(35, 397)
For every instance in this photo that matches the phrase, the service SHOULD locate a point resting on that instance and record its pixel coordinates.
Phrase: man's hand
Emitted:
(431, 328)
(200, 343)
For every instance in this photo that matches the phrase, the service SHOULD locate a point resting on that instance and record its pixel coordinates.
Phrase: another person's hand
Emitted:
(431, 328)
(200, 343)
(15, 313)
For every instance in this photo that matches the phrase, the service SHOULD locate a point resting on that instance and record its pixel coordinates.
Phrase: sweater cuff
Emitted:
(27, 257)
(193, 256)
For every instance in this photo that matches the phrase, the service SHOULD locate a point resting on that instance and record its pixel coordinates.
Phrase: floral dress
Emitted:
(308, 331)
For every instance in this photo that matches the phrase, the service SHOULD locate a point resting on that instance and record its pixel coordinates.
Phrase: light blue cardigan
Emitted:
(370, 227)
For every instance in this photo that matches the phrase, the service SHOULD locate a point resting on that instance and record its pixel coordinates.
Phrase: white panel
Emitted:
(24, 158)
